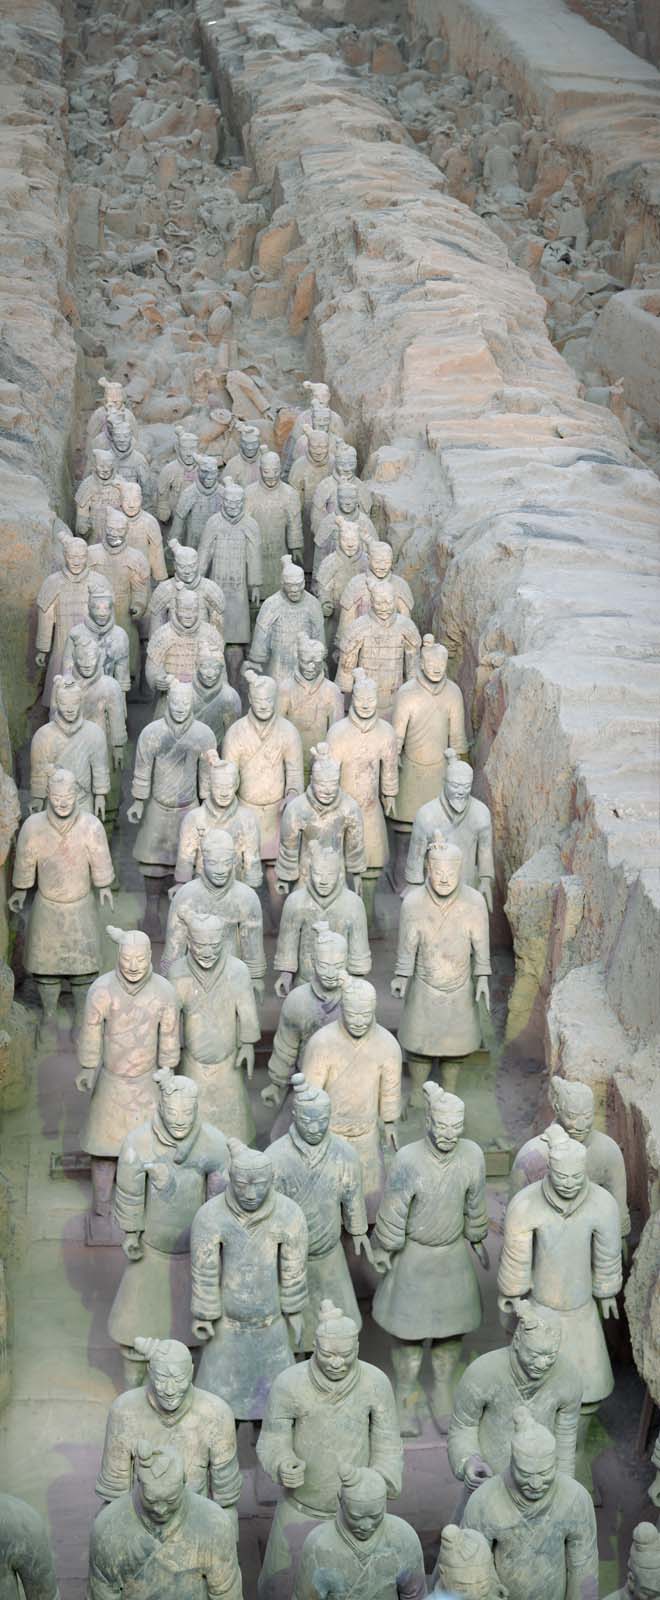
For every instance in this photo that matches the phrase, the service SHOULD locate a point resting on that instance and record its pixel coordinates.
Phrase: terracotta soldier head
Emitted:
(233, 500)
(536, 1339)
(311, 655)
(210, 669)
(383, 601)
(218, 857)
(179, 703)
(130, 495)
(160, 1482)
(319, 393)
(325, 776)
(100, 601)
(223, 779)
(329, 956)
(466, 1566)
(317, 444)
(86, 656)
(348, 536)
(573, 1105)
(364, 699)
(358, 1006)
(249, 439)
(362, 1501)
(186, 563)
(104, 465)
(116, 528)
(567, 1162)
(345, 460)
(325, 869)
(250, 1175)
(186, 607)
(292, 582)
(269, 467)
(458, 782)
(133, 955)
(169, 1373)
(444, 1118)
(347, 498)
(207, 470)
(321, 417)
(311, 1109)
(119, 429)
(444, 866)
(66, 699)
(262, 695)
(336, 1343)
(61, 792)
(380, 556)
(433, 658)
(177, 1103)
(113, 393)
(643, 1578)
(75, 552)
(533, 1466)
(207, 937)
(185, 444)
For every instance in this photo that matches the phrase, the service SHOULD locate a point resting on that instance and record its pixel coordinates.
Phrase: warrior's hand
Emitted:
(610, 1308)
(295, 1322)
(105, 898)
(245, 1058)
(134, 813)
(255, 597)
(483, 992)
(389, 802)
(40, 658)
(283, 984)
(291, 1472)
(398, 988)
(36, 805)
(16, 900)
(357, 884)
(505, 1304)
(202, 1331)
(118, 757)
(380, 1259)
(85, 1079)
(391, 1135)
(482, 1255)
(99, 807)
(362, 1246)
(476, 1472)
(132, 1248)
(160, 1173)
(282, 887)
(272, 1095)
(486, 887)
(259, 989)
(327, 608)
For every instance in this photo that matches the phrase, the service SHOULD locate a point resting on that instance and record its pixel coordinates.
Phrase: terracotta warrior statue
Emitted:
(221, 808)
(61, 852)
(70, 740)
(463, 821)
(428, 717)
(214, 700)
(322, 1174)
(308, 699)
(562, 1247)
(103, 700)
(165, 786)
(61, 604)
(540, 1524)
(220, 1023)
(114, 400)
(99, 624)
(187, 573)
(267, 750)
(175, 648)
(243, 467)
(285, 615)
(249, 1265)
(275, 507)
(347, 507)
(434, 1205)
(217, 890)
(167, 1167)
(177, 473)
(367, 1553)
(197, 501)
(323, 1416)
(143, 530)
(307, 472)
(643, 1576)
(364, 744)
(325, 499)
(161, 1538)
(97, 491)
(306, 1008)
(356, 599)
(129, 462)
(128, 572)
(573, 1106)
(130, 1030)
(230, 549)
(323, 894)
(169, 1409)
(531, 1370)
(465, 1566)
(325, 815)
(344, 565)
(442, 965)
(27, 1571)
(358, 1063)
(319, 396)
(385, 642)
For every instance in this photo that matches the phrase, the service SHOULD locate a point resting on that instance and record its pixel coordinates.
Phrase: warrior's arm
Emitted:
(582, 1555)
(463, 1437)
(116, 1471)
(385, 1449)
(206, 1270)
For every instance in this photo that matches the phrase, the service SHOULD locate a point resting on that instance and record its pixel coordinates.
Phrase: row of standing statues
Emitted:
(265, 789)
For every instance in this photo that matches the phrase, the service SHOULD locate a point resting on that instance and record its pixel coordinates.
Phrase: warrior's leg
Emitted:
(408, 1392)
(369, 882)
(79, 987)
(234, 654)
(585, 1451)
(445, 1356)
(396, 872)
(275, 901)
(49, 994)
(135, 1368)
(153, 889)
(419, 1068)
(103, 1177)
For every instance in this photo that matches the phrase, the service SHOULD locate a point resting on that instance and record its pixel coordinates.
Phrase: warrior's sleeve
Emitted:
(275, 1441)
(260, 646)
(411, 1577)
(389, 767)
(46, 615)
(140, 579)
(83, 511)
(251, 939)
(287, 949)
(475, 1214)
(90, 1038)
(457, 734)
(390, 1083)
(476, 1514)
(131, 1189)
(116, 1471)
(358, 959)
(392, 1217)
(514, 1277)
(98, 852)
(400, 718)
(353, 1208)
(566, 1423)
(470, 1402)
(116, 715)
(144, 480)
(419, 839)
(254, 562)
(164, 490)
(385, 1448)
(293, 1264)
(25, 860)
(105, 1579)
(480, 941)
(617, 1184)
(206, 544)
(307, 1586)
(354, 850)
(122, 666)
(40, 757)
(155, 663)
(349, 655)
(324, 587)
(409, 935)
(412, 643)
(27, 1555)
(248, 1020)
(145, 756)
(485, 862)
(215, 601)
(98, 759)
(294, 778)
(169, 1048)
(157, 555)
(187, 851)
(206, 1266)
(176, 938)
(319, 506)
(582, 1550)
(288, 855)
(250, 852)
(226, 1475)
(315, 1062)
(286, 1044)
(294, 531)
(606, 1249)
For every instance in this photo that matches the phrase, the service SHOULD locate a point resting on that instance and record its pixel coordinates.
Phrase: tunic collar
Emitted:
(362, 1549)
(207, 977)
(159, 1531)
(526, 1386)
(444, 901)
(62, 824)
(220, 812)
(133, 988)
(313, 1154)
(318, 805)
(68, 728)
(333, 1388)
(451, 813)
(249, 1219)
(215, 890)
(428, 685)
(262, 729)
(365, 724)
(529, 1508)
(310, 688)
(325, 899)
(565, 1207)
(177, 729)
(186, 633)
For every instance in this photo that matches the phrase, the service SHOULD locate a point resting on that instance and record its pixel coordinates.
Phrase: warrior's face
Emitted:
(537, 1350)
(170, 1381)
(336, 1355)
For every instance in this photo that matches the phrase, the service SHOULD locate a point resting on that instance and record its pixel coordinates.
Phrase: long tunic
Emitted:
(192, 511)
(325, 1180)
(194, 1554)
(566, 1254)
(242, 471)
(103, 702)
(363, 1080)
(486, 1397)
(326, 536)
(248, 1273)
(144, 535)
(235, 819)
(324, 499)
(331, 1426)
(547, 1548)
(81, 747)
(471, 830)
(127, 572)
(277, 629)
(312, 708)
(337, 827)
(61, 604)
(219, 1015)
(427, 718)
(211, 602)
(172, 479)
(113, 644)
(336, 573)
(356, 599)
(236, 904)
(65, 859)
(25, 1553)
(367, 757)
(129, 1031)
(166, 775)
(232, 551)
(93, 497)
(433, 1206)
(217, 706)
(131, 465)
(270, 762)
(202, 1429)
(388, 1566)
(278, 516)
(388, 652)
(342, 910)
(605, 1166)
(305, 476)
(304, 1010)
(176, 650)
(443, 947)
(153, 1298)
